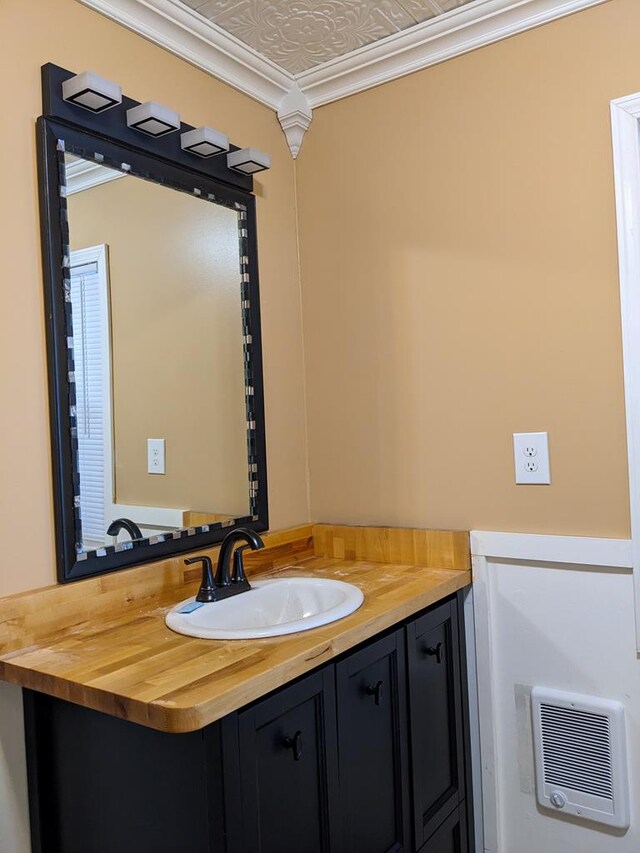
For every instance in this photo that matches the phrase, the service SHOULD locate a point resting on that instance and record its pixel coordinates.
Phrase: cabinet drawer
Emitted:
(435, 712)
(450, 837)
(371, 691)
(288, 770)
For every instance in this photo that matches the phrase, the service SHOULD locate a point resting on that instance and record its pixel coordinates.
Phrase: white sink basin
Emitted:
(270, 608)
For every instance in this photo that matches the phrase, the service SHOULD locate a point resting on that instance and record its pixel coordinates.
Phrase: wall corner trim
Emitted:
(294, 115)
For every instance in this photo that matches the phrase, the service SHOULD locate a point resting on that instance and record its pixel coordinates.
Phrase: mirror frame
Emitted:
(67, 127)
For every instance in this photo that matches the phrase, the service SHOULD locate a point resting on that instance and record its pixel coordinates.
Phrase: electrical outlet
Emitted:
(531, 457)
(155, 456)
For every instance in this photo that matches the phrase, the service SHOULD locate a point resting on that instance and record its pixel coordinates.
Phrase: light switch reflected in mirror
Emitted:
(157, 328)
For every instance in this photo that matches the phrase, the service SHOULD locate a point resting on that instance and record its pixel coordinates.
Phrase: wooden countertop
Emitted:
(102, 643)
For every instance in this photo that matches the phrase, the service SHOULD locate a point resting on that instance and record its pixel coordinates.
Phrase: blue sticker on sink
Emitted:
(189, 608)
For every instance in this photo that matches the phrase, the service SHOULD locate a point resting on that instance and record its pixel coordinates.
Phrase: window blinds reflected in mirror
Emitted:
(92, 370)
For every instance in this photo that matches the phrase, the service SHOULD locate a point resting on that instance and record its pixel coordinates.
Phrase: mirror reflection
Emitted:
(156, 316)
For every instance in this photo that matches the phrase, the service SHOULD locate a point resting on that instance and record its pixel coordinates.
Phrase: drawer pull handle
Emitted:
(376, 691)
(295, 743)
(435, 651)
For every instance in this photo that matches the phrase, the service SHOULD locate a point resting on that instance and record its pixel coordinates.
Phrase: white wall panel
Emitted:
(14, 810)
(558, 624)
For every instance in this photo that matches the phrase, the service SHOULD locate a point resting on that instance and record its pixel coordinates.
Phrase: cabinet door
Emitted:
(451, 837)
(371, 690)
(435, 712)
(288, 769)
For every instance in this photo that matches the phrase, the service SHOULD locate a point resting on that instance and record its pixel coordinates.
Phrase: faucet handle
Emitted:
(207, 591)
(239, 575)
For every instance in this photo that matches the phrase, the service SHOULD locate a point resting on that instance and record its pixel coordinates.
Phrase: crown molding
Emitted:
(189, 35)
(451, 34)
(85, 174)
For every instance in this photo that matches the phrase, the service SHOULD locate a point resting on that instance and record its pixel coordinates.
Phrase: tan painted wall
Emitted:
(176, 330)
(459, 276)
(33, 32)
(457, 203)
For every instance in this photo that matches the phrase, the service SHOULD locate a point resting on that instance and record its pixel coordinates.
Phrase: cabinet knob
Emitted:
(375, 690)
(435, 651)
(295, 743)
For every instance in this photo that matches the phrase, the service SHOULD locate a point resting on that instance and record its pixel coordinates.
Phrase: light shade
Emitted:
(92, 92)
(249, 160)
(153, 119)
(204, 141)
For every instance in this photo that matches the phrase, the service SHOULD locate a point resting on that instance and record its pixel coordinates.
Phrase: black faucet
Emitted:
(119, 524)
(225, 583)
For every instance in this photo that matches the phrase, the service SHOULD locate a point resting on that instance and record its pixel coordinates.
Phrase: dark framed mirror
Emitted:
(153, 341)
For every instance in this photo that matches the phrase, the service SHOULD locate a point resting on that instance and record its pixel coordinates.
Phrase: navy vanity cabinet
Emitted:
(366, 754)
(435, 717)
(372, 743)
(288, 765)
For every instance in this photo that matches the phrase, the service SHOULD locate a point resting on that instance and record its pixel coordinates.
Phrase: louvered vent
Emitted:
(580, 756)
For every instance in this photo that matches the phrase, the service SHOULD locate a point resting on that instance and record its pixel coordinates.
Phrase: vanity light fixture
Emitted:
(92, 92)
(204, 141)
(248, 161)
(153, 119)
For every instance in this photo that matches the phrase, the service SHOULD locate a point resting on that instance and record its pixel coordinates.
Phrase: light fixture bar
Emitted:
(92, 92)
(153, 119)
(204, 141)
(249, 161)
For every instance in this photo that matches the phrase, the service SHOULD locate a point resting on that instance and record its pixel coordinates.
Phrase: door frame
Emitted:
(625, 129)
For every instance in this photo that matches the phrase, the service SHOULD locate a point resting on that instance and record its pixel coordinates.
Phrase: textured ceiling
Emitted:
(300, 34)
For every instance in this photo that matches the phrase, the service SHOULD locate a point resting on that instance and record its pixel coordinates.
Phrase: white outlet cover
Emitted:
(531, 458)
(155, 456)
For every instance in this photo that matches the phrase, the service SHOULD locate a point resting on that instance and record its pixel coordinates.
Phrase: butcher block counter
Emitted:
(102, 643)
